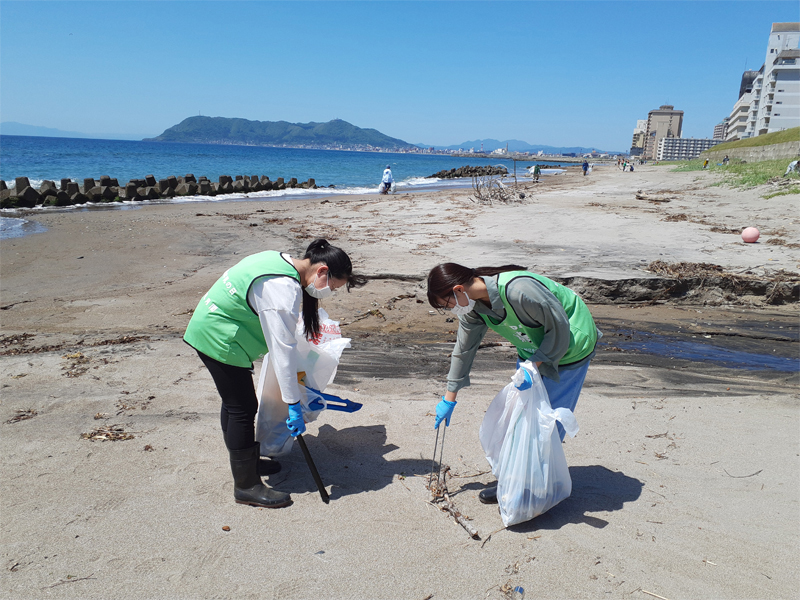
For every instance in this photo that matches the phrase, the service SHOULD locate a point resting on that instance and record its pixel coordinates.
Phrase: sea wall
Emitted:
(108, 189)
(755, 153)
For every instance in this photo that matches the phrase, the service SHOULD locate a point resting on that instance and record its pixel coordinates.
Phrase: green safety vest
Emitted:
(582, 330)
(224, 326)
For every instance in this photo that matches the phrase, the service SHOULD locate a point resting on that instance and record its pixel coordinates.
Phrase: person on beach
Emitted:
(705, 164)
(726, 160)
(547, 323)
(585, 167)
(536, 172)
(386, 181)
(251, 310)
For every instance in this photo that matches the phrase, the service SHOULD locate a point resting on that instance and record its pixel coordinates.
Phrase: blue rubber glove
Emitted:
(528, 381)
(444, 410)
(295, 422)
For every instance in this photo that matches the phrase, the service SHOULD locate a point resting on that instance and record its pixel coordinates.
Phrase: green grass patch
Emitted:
(688, 165)
(779, 137)
(795, 189)
(744, 175)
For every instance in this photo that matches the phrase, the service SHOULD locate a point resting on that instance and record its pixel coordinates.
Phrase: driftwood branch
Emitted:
(440, 498)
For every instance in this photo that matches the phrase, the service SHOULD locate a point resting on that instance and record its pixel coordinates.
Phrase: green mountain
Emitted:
(333, 134)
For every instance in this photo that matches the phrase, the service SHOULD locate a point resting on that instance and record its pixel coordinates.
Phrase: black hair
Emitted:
(444, 277)
(339, 267)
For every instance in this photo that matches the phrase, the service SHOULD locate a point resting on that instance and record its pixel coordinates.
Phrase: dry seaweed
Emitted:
(23, 414)
(108, 433)
(22, 338)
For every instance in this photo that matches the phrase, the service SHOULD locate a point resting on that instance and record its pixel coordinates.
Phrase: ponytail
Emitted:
(339, 267)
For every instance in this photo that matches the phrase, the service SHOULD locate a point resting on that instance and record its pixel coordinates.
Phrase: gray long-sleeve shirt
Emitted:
(535, 306)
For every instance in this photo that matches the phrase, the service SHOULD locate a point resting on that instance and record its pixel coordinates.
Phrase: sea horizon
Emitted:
(347, 171)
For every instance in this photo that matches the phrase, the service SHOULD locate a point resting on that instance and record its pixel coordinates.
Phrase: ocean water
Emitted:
(40, 158)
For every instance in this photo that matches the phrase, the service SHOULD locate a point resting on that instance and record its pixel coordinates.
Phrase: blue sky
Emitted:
(555, 73)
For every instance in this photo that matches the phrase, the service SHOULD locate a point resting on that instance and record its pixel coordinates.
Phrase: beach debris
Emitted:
(17, 338)
(76, 366)
(149, 448)
(642, 196)
(100, 415)
(654, 595)
(488, 190)
(20, 339)
(22, 414)
(108, 433)
(441, 500)
(750, 235)
(370, 313)
(743, 476)
(226, 528)
(69, 579)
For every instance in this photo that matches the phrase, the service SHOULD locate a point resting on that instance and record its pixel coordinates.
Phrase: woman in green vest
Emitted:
(253, 309)
(547, 322)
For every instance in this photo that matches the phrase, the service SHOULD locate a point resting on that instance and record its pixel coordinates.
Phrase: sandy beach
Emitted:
(686, 473)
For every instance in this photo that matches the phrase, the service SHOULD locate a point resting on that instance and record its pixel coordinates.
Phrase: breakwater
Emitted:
(468, 171)
(108, 189)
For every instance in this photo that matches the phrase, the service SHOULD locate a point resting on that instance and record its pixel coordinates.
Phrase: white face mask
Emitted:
(320, 294)
(459, 310)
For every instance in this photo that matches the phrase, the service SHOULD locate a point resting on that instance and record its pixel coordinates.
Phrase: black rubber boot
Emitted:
(266, 466)
(488, 495)
(247, 485)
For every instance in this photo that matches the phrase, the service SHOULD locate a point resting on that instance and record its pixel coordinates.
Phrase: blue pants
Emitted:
(564, 394)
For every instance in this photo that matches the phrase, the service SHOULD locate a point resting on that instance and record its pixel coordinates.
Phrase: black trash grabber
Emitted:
(312, 467)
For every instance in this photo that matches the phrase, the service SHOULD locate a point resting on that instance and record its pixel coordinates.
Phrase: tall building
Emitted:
(637, 144)
(769, 99)
(720, 129)
(661, 123)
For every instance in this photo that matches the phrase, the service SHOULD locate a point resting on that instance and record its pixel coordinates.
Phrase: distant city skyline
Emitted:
(429, 73)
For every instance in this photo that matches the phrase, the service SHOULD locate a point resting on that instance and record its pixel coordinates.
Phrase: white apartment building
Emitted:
(720, 129)
(772, 101)
(683, 148)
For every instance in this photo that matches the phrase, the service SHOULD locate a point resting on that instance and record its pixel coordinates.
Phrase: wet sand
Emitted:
(685, 470)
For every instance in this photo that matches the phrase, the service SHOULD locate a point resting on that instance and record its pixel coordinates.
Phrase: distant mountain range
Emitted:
(336, 134)
(14, 128)
(519, 146)
(331, 135)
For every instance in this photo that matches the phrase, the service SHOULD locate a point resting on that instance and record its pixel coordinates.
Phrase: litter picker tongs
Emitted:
(435, 489)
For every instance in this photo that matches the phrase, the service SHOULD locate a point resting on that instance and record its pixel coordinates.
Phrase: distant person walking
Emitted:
(585, 167)
(387, 180)
(536, 171)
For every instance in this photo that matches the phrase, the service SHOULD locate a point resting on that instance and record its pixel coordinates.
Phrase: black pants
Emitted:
(239, 403)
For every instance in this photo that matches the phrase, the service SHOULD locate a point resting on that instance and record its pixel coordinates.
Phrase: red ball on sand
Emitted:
(750, 234)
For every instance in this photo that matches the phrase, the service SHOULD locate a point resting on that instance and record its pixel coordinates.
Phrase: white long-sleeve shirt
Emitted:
(277, 302)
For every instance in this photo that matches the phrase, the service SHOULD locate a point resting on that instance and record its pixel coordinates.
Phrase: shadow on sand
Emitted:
(349, 461)
(594, 489)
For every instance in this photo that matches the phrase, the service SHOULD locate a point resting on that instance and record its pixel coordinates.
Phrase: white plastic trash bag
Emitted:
(523, 447)
(317, 362)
